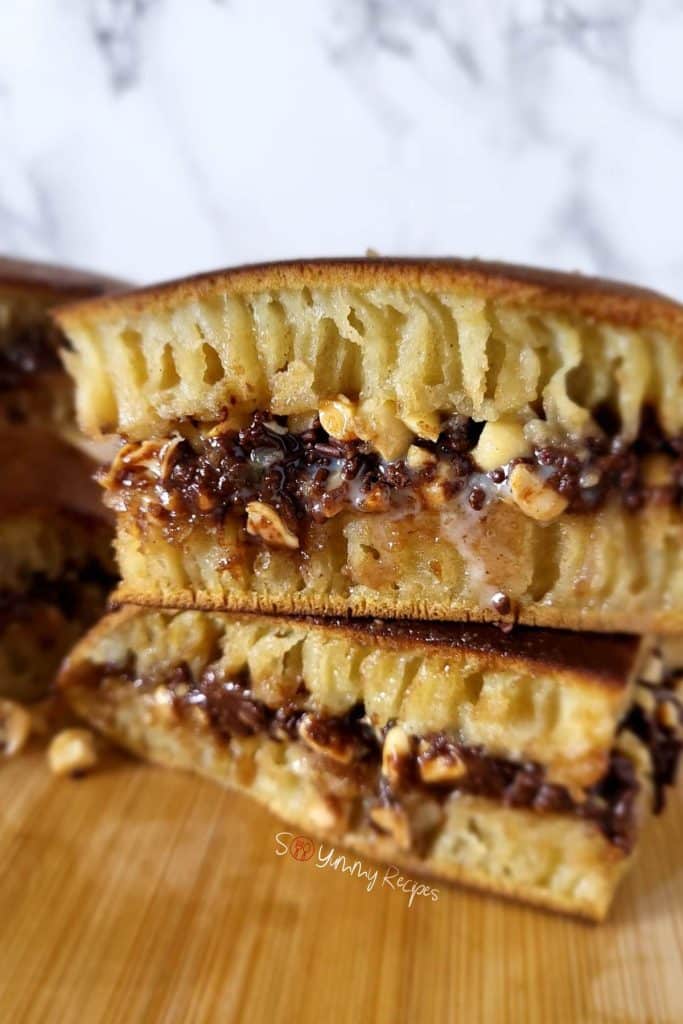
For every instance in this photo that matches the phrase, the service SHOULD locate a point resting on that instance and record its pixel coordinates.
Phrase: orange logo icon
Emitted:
(301, 848)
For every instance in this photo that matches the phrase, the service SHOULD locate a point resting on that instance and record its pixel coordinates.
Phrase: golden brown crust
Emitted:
(669, 623)
(600, 659)
(597, 660)
(550, 291)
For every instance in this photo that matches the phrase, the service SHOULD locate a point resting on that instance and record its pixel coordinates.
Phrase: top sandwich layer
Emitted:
(412, 342)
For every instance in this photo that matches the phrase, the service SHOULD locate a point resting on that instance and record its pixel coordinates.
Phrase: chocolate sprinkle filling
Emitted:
(312, 476)
(233, 711)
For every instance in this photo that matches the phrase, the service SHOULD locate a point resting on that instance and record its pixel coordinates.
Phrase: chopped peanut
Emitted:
(499, 443)
(72, 752)
(397, 747)
(263, 521)
(15, 727)
(338, 418)
(533, 496)
(442, 769)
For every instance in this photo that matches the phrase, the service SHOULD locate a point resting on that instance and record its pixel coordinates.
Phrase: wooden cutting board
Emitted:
(138, 895)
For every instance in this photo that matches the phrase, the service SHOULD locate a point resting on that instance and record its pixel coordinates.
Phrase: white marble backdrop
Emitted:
(153, 138)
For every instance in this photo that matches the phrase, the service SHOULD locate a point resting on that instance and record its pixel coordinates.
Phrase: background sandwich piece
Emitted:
(418, 744)
(430, 439)
(56, 562)
(57, 570)
(34, 387)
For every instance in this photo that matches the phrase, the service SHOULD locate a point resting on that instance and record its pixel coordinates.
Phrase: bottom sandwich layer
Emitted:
(426, 802)
(554, 861)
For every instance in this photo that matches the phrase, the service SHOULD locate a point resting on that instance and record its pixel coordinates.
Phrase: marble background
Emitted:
(152, 138)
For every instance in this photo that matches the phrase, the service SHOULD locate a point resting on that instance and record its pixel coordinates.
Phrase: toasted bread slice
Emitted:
(446, 748)
(430, 439)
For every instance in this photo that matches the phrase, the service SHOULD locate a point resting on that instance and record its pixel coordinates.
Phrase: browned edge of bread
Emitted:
(547, 290)
(597, 660)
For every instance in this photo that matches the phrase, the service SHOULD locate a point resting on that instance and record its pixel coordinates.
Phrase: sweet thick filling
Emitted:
(391, 768)
(279, 479)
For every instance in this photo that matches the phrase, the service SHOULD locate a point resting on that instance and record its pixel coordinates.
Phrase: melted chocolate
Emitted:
(232, 710)
(610, 803)
(312, 476)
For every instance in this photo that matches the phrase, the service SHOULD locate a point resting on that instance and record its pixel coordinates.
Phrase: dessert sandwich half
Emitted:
(56, 558)
(418, 439)
(525, 764)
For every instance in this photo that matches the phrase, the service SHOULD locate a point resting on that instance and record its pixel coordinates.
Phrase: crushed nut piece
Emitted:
(15, 727)
(436, 493)
(381, 427)
(427, 425)
(72, 752)
(533, 496)
(315, 739)
(499, 443)
(166, 457)
(425, 816)
(338, 418)
(206, 501)
(164, 703)
(263, 521)
(419, 458)
(634, 748)
(232, 421)
(377, 500)
(590, 478)
(442, 768)
(667, 715)
(397, 747)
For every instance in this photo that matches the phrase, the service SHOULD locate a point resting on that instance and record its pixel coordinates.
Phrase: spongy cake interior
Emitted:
(418, 338)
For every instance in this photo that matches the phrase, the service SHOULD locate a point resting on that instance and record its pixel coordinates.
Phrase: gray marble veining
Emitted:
(157, 137)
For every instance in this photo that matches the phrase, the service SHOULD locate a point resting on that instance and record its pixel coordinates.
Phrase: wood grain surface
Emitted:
(137, 895)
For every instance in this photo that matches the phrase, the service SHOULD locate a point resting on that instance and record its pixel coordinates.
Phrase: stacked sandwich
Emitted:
(354, 496)
(56, 563)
